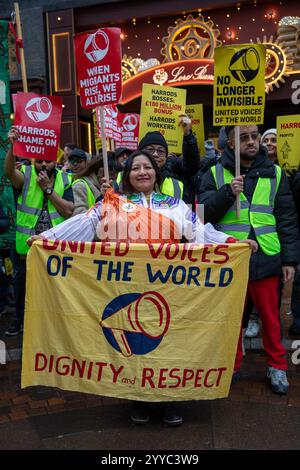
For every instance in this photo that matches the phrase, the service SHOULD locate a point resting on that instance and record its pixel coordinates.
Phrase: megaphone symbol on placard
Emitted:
(244, 65)
(38, 109)
(96, 46)
(149, 315)
(130, 122)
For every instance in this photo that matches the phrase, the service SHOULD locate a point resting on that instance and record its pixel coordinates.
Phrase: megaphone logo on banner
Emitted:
(130, 122)
(38, 109)
(96, 46)
(244, 64)
(139, 325)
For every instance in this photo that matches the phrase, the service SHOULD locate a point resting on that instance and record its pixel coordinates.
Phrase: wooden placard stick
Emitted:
(104, 149)
(21, 51)
(237, 166)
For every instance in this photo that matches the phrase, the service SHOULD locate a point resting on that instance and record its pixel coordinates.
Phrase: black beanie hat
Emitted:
(228, 129)
(153, 138)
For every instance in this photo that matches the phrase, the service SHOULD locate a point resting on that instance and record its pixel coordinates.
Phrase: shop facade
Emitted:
(164, 45)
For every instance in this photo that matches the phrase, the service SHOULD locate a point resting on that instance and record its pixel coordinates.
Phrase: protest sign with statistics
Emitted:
(160, 110)
(288, 138)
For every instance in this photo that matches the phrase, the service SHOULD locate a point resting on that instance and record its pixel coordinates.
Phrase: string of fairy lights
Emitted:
(230, 32)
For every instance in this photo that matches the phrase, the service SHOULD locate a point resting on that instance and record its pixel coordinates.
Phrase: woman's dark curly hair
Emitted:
(126, 185)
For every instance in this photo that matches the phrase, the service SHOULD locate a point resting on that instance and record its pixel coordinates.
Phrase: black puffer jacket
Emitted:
(218, 202)
(185, 167)
(295, 183)
(206, 164)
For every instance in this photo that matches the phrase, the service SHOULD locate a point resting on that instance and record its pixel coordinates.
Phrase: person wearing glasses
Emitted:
(267, 216)
(176, 171)
(45, 199)
(77, 161)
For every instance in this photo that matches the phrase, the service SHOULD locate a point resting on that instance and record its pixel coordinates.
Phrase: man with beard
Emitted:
(268, 216)
(45, 199)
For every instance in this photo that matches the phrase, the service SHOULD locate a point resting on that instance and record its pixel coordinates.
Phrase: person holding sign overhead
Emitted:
(140, 180)
(268, 216)
(45, 199)
(176, 171)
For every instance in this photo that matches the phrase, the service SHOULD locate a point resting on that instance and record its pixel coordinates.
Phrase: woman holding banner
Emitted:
(147, 216)
(141, 181)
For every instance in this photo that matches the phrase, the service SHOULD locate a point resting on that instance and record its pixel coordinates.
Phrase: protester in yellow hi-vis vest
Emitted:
(268, 216)
(87, 184)
(45, 200)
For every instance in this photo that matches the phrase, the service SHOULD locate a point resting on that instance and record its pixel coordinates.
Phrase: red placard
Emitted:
(111, 122)
(129, 124)
(123, 128)
(98, 63)
(38, 119)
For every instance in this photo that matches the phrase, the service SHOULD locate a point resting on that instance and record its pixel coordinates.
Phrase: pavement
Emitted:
(252, 417)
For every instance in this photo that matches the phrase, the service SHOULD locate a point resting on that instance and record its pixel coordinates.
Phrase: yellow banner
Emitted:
(160, 109)
(151, 323)
(239, 84)
(195, 112)
(288, 138)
